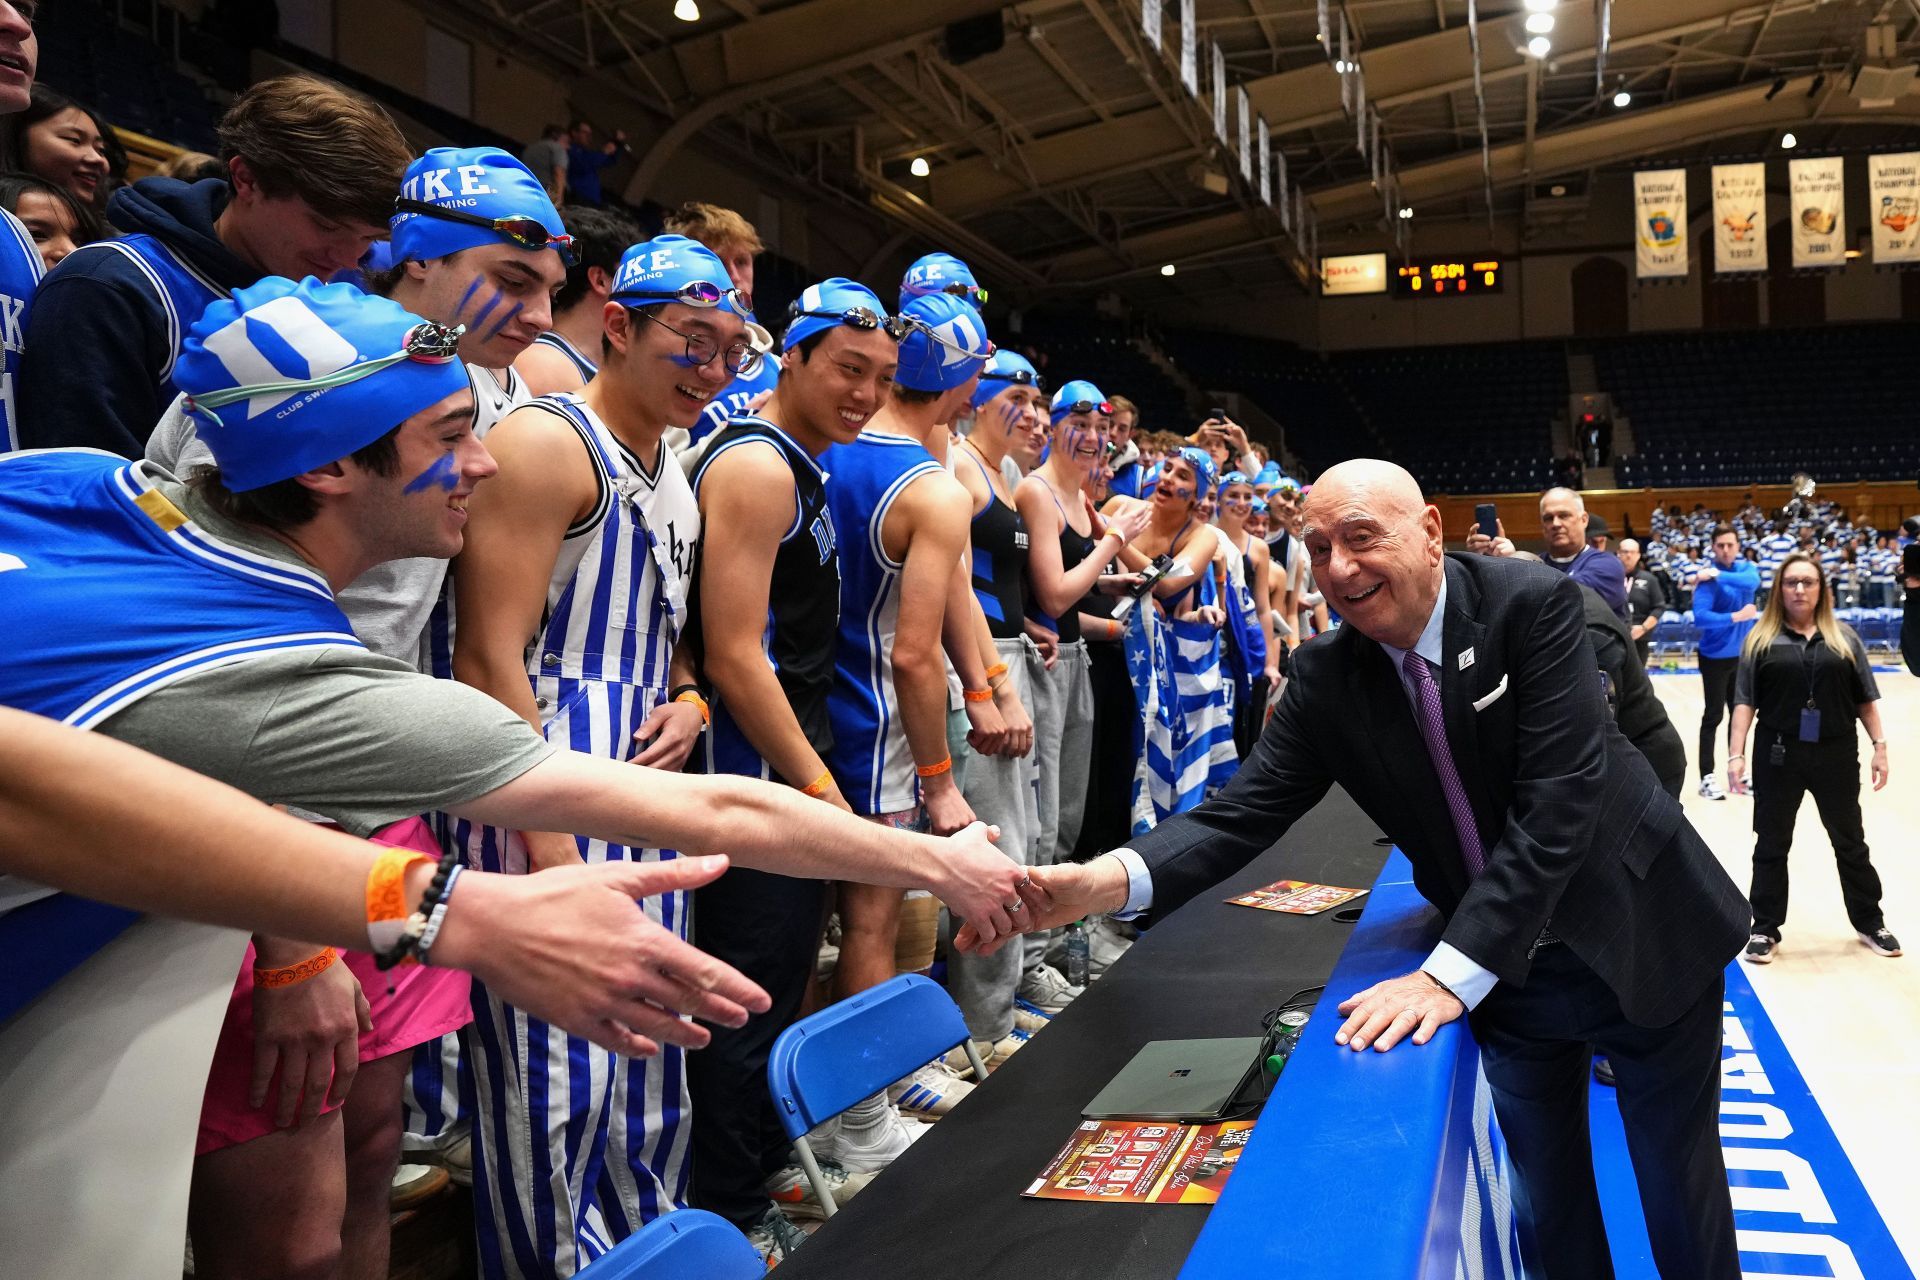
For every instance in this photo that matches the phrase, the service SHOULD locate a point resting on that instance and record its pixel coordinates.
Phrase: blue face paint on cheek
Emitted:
(504, 321)
(443, 473)
(1012, 415)
(460, 310)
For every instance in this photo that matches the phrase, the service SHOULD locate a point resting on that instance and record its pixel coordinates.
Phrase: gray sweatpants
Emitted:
(1002, 792)
(1062, 745)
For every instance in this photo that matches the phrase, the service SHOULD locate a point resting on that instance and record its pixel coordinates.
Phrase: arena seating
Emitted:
(1759, 405)
(1300, 390)
(1098, 350)
(91, 58)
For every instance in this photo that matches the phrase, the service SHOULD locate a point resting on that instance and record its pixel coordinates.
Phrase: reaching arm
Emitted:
(1055, 588)
(929, 522)
(1197, 553)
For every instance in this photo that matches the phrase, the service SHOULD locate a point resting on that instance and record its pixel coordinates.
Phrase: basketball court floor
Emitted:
(1850, 1018)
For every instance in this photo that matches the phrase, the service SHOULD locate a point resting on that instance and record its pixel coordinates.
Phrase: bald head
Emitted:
(1376, 550)
(1563, 523)
(1629, 554)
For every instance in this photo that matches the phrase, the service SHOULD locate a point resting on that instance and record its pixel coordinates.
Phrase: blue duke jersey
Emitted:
(870, 759)
(110, 592)
(20, 272)
(733, 401)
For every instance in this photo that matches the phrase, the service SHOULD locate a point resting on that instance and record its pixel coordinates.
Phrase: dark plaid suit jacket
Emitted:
(1578, 833)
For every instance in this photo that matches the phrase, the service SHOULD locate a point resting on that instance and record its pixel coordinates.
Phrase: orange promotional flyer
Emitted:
(1296, 897)
(1144, 1162)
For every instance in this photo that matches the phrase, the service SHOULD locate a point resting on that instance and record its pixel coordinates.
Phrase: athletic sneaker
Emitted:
(1710, 788)
(1046, 988)
(1029, 1017)
(992, 1054)
(1107, 941)
(414, 1184)
(871, 1145)
(930, 1092)
(793, 1193)
(775, 1236)
(1760, 949)
(1881, 942)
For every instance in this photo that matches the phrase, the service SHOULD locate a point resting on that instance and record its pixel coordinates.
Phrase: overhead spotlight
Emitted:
(1622, 99)
(1557, 190)
(1542, 6)
(1167, 270)
(1341, 66)
(1406, 211)
(1788, 142)
(686, 10)
(919, 166)
(1539, 23)
(1778, 84)
(1539, 46)
(1819, 83)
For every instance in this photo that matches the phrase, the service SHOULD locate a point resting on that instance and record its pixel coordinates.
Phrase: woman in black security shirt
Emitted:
(1804, 675)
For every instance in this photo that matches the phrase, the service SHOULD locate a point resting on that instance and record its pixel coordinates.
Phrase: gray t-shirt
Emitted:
(361, 739)
(544, 156)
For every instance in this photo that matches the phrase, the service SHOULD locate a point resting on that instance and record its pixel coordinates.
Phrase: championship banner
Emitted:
(1265, 143)
(1280, 188)
(1893, 188)
(1660, 223)
(1244, 110)
(1817, 215)
(1189, 60)
(1150, 22)
(1739, 217)
(1220, 93)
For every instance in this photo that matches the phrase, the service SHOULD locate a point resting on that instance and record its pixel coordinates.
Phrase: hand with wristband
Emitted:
(947, 810)
(667, 736)
(308, 1016)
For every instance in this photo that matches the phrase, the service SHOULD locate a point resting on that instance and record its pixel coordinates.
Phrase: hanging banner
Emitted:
(1893, 191)
(1220, 92)
(1150, 22)
(1264, 141)
(1660, 223)
(1739, 217)
(1326, 28)
(1244, 110)
(1280, 186)
(1189, 61)
(1818, 212)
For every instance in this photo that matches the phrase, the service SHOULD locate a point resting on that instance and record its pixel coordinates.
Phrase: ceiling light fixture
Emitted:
(1406, 211)
(920, 166)
(686, 10)
(1622, 99)
(1539, 46)
(1788, 142)
(1539, 23)
(1167, 270)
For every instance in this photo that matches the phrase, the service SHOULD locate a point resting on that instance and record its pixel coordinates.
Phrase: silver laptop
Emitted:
(1179, 1080)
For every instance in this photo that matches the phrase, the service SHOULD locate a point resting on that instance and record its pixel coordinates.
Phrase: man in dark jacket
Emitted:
(1647, 599)
(312, 175)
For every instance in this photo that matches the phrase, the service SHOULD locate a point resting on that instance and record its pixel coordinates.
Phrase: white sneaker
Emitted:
(1107, 941)
(793, 1193)
(1030, 1018)
(868, 1148)
(1710, 787)
(992, 1054)
(1047, 989)
(930, 1092)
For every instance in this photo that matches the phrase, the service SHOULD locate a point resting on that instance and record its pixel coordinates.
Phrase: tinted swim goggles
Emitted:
(520, 229)
(971, 292)
(1082, 406)
(694, 293)
(1018, 378)
(864, 318)
(425, 343)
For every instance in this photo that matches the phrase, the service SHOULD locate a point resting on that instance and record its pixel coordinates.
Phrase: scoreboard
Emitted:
(1449, 277)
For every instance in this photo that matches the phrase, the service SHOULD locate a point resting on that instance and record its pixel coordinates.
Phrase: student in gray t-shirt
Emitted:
(547, 157)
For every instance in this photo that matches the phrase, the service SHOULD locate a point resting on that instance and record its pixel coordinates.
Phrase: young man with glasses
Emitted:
(311, 172)
(571, 598)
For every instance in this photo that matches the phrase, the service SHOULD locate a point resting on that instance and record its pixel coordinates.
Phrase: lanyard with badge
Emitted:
(1809, 714)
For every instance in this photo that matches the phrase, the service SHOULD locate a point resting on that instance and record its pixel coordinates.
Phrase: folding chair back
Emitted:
(688, 1244)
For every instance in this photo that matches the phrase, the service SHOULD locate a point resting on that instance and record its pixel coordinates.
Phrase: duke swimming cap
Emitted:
(1006, 369)
(946, 346)
(941, 273)
(480, 182)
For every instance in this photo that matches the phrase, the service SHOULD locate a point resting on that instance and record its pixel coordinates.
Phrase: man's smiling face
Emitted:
(1376, 549)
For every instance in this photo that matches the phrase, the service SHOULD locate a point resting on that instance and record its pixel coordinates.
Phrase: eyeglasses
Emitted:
(1018, 378)
(739, 359)
(695, 293)
(522, 230)
(425, 343)
(864, 318)
(972, 292)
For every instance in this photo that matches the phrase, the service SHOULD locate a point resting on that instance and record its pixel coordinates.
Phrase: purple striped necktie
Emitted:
(1433, 728)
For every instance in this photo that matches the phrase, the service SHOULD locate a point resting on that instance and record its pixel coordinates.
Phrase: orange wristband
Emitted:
(1113, 628)
(997, 669)
(977, 695)
(819, 786)
(693, 696)
(935, 770)
(387, 889)
(288, 975)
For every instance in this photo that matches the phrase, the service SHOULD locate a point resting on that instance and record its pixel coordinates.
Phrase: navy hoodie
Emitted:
(109, 320)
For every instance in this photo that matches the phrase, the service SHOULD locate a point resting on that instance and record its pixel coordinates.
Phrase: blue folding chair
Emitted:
(687, 1244)
(824, 1063)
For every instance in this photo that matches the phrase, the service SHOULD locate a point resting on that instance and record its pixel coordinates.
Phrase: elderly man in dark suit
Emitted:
(1458, 706)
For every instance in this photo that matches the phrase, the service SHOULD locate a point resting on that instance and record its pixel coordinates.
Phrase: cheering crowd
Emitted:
(378, 487)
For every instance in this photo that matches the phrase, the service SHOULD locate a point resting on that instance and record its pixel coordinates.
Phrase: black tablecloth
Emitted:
(951, 1207)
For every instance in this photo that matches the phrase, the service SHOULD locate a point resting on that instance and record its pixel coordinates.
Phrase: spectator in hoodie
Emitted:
(312, 174)
(67, 144)
(20, 258)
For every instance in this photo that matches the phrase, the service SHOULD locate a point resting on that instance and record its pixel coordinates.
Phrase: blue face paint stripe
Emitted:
(504, 320)
(472, 286)
(442, 473)
(480, 317)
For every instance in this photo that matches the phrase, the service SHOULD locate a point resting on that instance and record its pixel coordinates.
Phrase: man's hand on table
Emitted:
(1384, 1013)
(1058, 895)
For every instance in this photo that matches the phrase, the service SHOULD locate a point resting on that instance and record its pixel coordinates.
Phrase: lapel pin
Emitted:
(1466, 659)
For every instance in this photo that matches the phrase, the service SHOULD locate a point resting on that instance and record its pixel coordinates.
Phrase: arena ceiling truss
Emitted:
(1069, 159)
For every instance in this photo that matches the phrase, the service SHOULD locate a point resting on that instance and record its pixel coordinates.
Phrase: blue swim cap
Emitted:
(1204, 468)
(937, 273)
(1079, 391)
(327, 368)
(653, 272)
(1234, 477)
(832, 298)
(481, 181)
(1258, 507)
(1004, 370)
(946, 347)
(1268, 475)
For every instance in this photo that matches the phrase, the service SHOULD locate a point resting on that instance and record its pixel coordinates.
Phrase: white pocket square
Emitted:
(1498, 690)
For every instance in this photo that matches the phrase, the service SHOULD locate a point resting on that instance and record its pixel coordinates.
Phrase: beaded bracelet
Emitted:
(415, 925)
(288, 975)
(432, 932)
(387, 895)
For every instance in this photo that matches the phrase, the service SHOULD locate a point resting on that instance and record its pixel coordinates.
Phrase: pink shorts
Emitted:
(424, 1005)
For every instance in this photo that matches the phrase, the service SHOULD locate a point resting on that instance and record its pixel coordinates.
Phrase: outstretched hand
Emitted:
(1056, 895)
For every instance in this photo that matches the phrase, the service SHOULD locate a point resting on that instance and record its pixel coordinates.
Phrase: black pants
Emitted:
(767, 927)
(1831, 770)
(1537, 1044)
(1716, 675)
(1107, 820)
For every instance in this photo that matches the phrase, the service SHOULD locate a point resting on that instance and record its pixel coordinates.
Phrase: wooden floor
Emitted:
(1850, 1018)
